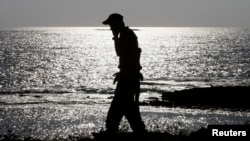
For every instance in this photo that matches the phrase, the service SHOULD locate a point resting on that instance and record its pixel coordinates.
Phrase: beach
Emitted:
(60, 115)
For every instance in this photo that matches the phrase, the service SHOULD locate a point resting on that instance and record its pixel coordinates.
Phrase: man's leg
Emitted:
(134, 118)
(114, 116)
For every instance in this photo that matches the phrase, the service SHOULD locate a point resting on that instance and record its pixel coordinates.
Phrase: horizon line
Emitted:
(128, 26)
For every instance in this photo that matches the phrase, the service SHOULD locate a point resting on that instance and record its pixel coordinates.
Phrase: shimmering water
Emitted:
(57, 81)
(83, 59)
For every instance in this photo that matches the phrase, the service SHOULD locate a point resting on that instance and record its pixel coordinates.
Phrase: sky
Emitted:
(164, 13)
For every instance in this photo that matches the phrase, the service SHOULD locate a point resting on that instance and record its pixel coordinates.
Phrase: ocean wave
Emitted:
(153, 86)
(57, 91)
(39, 90)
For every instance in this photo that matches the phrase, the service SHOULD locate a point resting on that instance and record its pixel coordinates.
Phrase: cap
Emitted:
(113, 18)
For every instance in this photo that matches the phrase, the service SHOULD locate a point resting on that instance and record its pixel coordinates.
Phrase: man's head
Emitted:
(113, 18)
(115, 21)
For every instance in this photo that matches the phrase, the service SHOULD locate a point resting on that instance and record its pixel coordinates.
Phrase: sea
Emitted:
(67, 65)
(65, 59)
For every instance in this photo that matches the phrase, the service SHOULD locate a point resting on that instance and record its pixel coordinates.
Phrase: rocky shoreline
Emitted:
(233, 98)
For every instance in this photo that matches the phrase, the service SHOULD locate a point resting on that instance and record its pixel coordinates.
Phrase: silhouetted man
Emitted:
(125, 101)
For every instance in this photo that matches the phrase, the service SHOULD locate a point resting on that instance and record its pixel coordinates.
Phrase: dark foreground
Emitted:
(202, 134)
(120, 137)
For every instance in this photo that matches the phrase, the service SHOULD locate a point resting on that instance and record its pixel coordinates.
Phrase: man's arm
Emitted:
(115, 38)
(116, 45)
